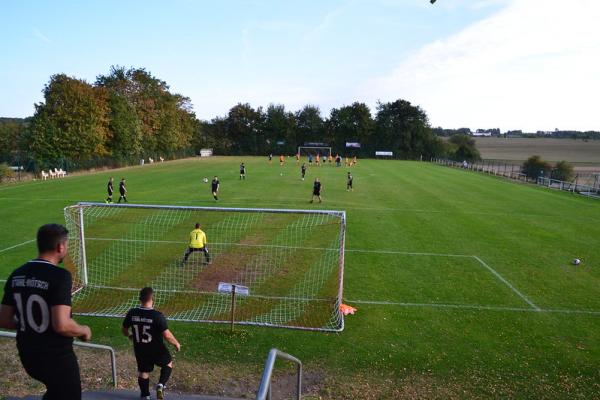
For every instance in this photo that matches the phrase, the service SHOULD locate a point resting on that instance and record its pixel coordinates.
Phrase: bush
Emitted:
(462, 148)
(535, 167)
(5, 172)
(563, 171)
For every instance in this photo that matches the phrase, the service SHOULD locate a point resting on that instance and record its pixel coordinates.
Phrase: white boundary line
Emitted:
(17, 245)
(472, 307)
(507, 283)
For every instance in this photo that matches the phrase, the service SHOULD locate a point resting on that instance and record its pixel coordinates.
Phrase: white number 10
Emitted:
(44, 312)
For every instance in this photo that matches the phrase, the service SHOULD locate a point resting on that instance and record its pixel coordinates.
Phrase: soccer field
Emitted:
(463, 282)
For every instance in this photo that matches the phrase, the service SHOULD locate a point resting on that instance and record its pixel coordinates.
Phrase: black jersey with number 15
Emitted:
(147, 327)
(32, 290)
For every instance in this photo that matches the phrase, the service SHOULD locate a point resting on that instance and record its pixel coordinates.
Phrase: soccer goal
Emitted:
(287, 264)
(314, 150)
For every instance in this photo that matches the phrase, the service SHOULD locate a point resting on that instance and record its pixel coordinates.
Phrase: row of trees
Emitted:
(397, 126)
(125, 114)
(129, 114)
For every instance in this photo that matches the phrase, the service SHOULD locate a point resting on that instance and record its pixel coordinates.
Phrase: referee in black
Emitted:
(148, 328)
(37, 304)
(110, 190)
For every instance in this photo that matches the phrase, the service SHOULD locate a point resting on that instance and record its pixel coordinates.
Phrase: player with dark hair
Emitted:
(122, 191)
(270, 157)
(197, 243)
(242, 171)
(316, 190)
(303, 170)
(110, 190)
(349, 182)
(37, 303)
(214, 187)
(148, 328)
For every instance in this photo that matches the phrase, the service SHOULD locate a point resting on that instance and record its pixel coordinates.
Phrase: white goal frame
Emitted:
(74, 216)
(300, 148)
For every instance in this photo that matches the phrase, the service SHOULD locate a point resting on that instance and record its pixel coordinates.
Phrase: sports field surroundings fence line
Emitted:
(586, 184)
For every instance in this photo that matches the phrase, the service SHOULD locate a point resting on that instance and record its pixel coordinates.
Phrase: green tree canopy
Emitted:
(534, 167)
(351, 124)
(72, 123)
(404, 129)
(463, 148)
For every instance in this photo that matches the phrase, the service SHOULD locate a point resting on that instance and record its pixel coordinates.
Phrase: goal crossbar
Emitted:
(315, 148)
(290, 260)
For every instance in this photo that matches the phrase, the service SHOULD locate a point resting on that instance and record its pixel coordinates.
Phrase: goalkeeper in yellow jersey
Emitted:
(197, 243)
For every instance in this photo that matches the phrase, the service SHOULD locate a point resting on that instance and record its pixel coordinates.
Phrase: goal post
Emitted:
(314, 150)
(289, 262)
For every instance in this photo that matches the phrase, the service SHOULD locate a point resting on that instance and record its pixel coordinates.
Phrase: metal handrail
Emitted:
(113, 360)
(264, 390)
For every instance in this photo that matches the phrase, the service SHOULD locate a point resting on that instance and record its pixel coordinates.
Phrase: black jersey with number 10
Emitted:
(32, 290)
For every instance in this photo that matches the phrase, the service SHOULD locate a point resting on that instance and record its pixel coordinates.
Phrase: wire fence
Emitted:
(586, 183)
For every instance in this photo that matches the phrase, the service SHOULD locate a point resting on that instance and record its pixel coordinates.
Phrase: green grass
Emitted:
(439, 316)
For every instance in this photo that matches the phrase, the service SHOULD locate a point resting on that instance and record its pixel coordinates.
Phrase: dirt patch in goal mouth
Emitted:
(229, 265)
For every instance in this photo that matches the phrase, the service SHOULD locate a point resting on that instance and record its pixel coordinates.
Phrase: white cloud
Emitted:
(533, 65)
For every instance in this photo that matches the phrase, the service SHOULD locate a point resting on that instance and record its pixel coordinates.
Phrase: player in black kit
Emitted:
(148, 328)
(303, 170)
(37, 304)
(214, 186)
(242, 171)
(316, 190)
(349, 183)
(109, 189)
(122, 191)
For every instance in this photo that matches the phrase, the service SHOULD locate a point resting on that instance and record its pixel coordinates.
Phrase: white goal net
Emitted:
(288, 263)
(314, 150)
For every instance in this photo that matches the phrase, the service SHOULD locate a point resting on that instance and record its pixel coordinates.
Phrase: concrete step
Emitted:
(131, 395)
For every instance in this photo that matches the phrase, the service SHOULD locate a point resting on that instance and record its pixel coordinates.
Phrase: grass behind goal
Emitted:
(289, 260)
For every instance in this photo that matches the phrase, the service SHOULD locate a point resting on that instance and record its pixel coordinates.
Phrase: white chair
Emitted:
(62, 172)
(52, 174)
(151, 160)
(161, 159)
(44, 175)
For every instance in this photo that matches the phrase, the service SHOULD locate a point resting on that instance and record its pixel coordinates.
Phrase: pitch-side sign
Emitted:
(384, 153)
(240, 290)
(353, 144)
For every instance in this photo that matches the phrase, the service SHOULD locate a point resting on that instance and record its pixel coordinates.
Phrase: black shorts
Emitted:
(316, 192)
(146, 362)
(59, 372)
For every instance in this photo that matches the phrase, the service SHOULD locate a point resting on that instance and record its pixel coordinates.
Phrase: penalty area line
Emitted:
(507, 283)
(17, 245)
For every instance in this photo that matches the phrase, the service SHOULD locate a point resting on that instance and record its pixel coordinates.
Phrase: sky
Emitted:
(508, 64)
